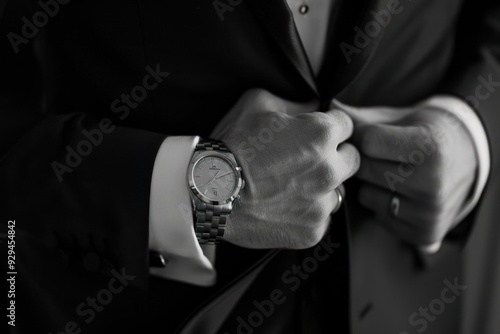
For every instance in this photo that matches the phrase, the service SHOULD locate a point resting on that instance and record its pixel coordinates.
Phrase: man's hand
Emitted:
(422, 155)
(293, 159)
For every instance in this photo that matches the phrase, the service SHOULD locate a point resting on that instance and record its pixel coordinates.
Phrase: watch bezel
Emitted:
(224, 156)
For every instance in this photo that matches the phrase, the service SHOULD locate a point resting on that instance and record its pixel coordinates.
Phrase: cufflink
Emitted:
(156, 260)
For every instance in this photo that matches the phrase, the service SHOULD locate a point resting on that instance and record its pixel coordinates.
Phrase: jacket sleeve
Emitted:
(475, 74)
(475, 78)
(77, 187)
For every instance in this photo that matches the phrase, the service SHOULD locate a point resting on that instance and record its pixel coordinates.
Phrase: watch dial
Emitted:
(214, 178)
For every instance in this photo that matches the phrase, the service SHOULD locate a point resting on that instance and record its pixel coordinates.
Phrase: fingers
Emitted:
(341, 188)
(376, 133)
(430, 249)
(350, 158)
(339, 197)
(342, 125)
(372, 115)
(318, 220)
(327, 133)
(411, 219)
(408, 233)
(411, 211)
(400, 177)
(333, 201)
(389, 142)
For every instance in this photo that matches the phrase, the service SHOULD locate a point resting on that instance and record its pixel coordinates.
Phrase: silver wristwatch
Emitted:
(215, 181)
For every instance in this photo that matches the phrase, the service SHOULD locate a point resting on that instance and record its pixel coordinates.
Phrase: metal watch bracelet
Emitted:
(210, 220)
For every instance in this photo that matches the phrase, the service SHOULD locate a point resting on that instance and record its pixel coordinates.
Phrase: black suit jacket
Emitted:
(72, 237)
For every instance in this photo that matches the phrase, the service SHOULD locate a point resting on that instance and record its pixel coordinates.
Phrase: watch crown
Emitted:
(242, 185)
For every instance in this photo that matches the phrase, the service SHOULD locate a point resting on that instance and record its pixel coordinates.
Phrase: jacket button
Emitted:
(303, 9)
(157, 260)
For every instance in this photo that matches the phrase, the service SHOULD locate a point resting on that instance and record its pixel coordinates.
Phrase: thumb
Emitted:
(372, 115)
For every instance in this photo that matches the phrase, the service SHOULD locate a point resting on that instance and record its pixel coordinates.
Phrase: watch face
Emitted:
(214, 178)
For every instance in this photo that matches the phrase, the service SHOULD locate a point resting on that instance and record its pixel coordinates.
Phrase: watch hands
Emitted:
(213, 178)
(218, 177)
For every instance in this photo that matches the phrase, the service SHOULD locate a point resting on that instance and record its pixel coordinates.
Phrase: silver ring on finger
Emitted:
(340, 198)
(394, 208)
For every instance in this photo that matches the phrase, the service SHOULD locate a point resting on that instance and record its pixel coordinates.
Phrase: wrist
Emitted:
(215, 181)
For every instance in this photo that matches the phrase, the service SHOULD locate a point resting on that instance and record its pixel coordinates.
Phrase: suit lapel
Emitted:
(277, 19)
(346, 57)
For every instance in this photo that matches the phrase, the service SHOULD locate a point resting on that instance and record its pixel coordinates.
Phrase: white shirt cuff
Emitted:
(171, 229)
(472, 123)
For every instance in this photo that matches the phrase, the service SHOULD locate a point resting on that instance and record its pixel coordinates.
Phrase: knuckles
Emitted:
(327, 176)
(352, 158)
(316, 213)
(320, 127)
(342, 121)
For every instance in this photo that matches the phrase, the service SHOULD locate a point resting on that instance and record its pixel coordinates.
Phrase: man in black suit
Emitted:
(97, 101)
